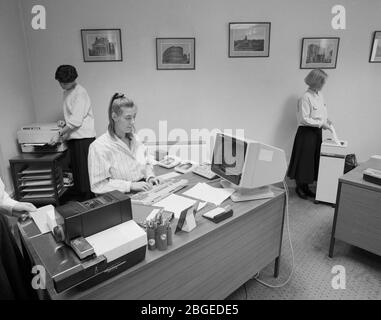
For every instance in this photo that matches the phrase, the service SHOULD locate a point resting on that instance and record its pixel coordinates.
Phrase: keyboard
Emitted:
(159, 192)
(204, 170)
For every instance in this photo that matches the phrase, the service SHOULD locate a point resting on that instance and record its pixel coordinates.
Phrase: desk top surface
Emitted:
(180, 240)
(355, 177)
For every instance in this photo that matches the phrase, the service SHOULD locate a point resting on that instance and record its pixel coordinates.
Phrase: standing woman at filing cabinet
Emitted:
(79, 131)
(312, 118)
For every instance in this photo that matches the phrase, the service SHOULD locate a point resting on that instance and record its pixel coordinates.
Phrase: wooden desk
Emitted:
(210, 262)
(357, 218)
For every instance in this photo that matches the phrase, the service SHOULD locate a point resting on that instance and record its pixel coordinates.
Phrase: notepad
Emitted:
(176, 204)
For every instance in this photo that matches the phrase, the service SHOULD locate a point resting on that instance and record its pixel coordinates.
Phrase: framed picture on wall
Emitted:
(100, 45)
(375, 53)
(175, 53)
(319, 53)
(249, 39)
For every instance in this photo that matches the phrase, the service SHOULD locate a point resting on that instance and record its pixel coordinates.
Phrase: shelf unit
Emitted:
(37, 178)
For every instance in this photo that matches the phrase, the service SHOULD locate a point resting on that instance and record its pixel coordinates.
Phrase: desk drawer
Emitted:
(359, 218)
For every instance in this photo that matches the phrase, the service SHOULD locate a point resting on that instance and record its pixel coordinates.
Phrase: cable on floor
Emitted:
(256, 277)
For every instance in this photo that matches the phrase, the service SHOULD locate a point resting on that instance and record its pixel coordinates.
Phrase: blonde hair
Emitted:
(118, 101)
(316, 78)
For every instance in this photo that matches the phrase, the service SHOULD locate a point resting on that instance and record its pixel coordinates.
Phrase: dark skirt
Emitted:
(79, 151)
(15, 272)
(305, 157)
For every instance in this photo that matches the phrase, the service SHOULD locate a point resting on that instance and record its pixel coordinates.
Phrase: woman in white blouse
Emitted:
(15, 280)
(78, 129)
(117, 159)
(312, 118)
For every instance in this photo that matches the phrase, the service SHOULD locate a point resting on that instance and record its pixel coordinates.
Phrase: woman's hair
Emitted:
(66, 74)
(118, 101)
(315, 78)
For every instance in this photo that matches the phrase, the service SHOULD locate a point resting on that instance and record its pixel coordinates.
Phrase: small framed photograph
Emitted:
(101, 45)
(249, 39)
(319, 53)
(375, 53)
(175, 53)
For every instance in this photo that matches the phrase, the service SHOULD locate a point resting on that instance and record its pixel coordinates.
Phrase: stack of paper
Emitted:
(44, 218)
(205, 192)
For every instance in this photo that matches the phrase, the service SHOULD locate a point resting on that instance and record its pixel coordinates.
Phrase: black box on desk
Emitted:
(83, 219)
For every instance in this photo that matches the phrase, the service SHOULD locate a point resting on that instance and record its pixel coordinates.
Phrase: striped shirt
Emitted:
(6, 203)
(114, 166)
(312, 110)
(78, 113)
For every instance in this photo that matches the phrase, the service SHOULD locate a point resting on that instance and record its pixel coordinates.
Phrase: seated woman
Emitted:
(15, 277)
(117, 159)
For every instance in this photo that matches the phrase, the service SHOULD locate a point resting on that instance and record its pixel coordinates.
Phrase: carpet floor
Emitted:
(310, 228)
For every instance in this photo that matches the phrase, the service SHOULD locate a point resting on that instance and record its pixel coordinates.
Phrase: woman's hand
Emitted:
(22, 209)
(329, 122)
(326, 126)
(55, 139)
(140, 186)
(153, 181)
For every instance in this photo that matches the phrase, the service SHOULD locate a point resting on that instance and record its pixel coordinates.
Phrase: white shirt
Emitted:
(312, 110)
(78, 113)
(114, 166)
(6, 203)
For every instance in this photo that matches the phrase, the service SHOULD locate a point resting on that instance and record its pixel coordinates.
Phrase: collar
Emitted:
(117, 141)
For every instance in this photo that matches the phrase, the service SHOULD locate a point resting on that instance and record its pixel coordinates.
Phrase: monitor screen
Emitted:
(229, 158)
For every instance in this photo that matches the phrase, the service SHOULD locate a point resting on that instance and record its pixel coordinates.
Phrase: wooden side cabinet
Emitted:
(357, 219)
(37, 178)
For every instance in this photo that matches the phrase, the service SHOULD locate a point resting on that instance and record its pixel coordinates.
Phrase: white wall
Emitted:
(16, 102)
(256, 94)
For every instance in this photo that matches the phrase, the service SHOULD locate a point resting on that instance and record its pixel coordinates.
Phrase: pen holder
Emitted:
(161, 237)
(169, 235)
(151, 238)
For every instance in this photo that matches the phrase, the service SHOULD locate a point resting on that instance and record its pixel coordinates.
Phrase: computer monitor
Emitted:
(248, 166)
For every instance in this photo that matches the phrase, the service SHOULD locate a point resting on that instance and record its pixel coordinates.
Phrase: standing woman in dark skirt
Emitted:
(312, 118)
(78, 130)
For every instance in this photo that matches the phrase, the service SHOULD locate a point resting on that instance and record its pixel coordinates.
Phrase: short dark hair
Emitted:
(66, 74)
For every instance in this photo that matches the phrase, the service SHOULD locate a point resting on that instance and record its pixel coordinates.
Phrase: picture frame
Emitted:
(319, 53)
(175, 53)
(101, 45)
(249, 39)
(375, 52)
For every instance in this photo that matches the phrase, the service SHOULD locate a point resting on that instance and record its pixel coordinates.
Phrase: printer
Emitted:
(36, 137)
(89, 241)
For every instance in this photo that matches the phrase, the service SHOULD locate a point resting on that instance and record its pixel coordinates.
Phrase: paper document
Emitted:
(44, 218)
(175, 204)
(201, 205)
(334, 135)
(205, 192)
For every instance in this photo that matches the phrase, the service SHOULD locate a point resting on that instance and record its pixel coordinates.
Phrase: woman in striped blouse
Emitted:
(117, 159)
